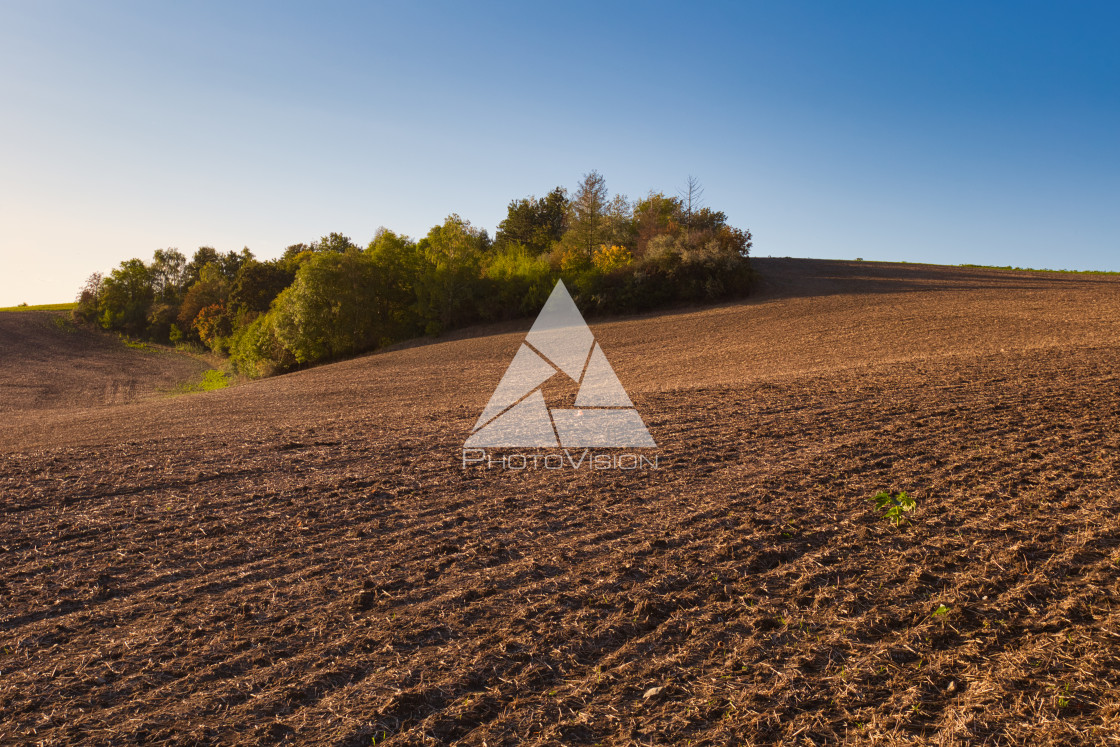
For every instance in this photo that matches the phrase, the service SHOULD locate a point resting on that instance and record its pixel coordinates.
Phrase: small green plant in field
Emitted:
(941, 611)
(211, 380)
(1063, 697)
(214, 379)
(64, 323)
(190, 347)
(893, 507)
(136, 344)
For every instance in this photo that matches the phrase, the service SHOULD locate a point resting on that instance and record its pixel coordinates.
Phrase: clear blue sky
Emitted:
(934, 132)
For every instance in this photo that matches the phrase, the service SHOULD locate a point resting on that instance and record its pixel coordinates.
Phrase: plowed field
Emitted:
(305, 560)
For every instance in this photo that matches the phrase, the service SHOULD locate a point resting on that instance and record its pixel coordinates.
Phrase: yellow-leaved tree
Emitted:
(607, 259)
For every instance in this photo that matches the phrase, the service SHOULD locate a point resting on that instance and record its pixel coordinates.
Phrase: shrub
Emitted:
(86, 310)
(335, 307)
(255, 351)
(608, 259)
(211, 380)
(213, 325)
(161, 320)
(211, 288)
(521, 282)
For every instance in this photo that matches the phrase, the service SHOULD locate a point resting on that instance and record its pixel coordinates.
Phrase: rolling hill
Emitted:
(49, 363)
(304, 559)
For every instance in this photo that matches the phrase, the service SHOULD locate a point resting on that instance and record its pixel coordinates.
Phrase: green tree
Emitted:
(521, 282)
(706, 220)
(230, 263)
(449, 285)
(256, 351)
(335, 242)
(169, 275)
(587, 212)
(161, 319)
(656, 215)
(211, 288)
(535, 224)
(296, 254)
(401, 265)
(256, 285)
(206, 255)
(618, 224)
(293, 257)
(126, 297)
(88, 296)
(335, 306)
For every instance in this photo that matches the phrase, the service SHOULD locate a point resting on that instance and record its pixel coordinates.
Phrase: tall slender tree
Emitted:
(588, 207)
(691, 195)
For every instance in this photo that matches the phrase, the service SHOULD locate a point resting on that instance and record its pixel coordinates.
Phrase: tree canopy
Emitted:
(330, 297)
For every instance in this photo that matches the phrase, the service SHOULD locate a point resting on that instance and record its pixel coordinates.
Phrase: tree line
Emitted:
(333, 298)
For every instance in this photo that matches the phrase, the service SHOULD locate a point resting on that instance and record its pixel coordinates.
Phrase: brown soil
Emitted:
(304, 560)
(48, 362)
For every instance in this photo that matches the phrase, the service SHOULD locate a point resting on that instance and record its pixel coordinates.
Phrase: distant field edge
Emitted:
(1039, 269)
(43, 307)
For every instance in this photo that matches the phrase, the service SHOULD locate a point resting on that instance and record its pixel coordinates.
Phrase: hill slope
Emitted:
(47, 362)
(304, 559)
(811, 317)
